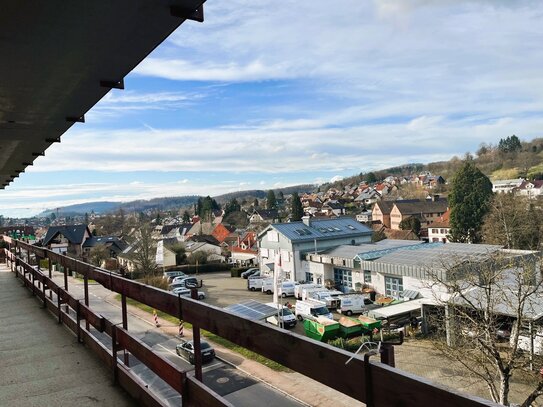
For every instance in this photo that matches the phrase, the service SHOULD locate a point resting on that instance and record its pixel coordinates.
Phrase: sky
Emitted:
(266, 94)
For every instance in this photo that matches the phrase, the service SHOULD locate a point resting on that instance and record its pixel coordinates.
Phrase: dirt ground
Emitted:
(416, 356)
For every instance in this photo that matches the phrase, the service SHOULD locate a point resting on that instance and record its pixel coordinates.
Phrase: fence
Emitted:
(371, 382)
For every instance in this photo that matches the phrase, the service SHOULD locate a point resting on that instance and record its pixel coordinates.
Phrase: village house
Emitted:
(438, 230)
(506, 185)
(67, 239)
(531, 189)
(114, 244)
(264, 216)
(426, 211)
(245, 253)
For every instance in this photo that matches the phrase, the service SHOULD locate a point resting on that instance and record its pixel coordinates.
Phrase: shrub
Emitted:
(236, 271)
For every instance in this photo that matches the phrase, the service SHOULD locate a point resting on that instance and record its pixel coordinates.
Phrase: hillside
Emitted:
(166, 203)
(510, 158)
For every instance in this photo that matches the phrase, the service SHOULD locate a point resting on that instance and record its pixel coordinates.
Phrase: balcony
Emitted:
(368, 381)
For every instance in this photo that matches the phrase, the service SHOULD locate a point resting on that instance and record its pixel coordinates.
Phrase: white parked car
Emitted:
(186, 292)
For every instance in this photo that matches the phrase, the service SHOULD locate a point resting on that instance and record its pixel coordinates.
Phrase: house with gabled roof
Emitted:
(264, 216)
(67, 239)
(222, 231)
(426, 211)
(381, 212)
(368, 197)
(114, 244)
(531, 189)
(290, 242)
(245, 252)
(439, 229)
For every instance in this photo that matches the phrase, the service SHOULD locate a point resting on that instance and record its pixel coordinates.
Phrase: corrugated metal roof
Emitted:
(350, 251)
(322, 229)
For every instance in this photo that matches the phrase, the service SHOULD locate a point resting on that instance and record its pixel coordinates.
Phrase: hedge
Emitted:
(236, 271)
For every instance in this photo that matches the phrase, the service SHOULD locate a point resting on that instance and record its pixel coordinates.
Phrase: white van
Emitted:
(255, 283)
(300, 287)
(286, 288)
(311, 308)
(329, 297)
(287, 317)
(353, 304)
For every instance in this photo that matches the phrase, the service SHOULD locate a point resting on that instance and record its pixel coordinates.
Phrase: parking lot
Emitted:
(222, 290)
(416, 356)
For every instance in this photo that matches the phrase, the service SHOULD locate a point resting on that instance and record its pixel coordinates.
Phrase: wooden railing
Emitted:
(372, 382)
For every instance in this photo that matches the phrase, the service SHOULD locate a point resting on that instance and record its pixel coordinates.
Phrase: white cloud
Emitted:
(336, 178)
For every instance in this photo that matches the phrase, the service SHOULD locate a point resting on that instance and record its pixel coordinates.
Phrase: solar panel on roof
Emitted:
(330, 229)
(308, 232)
(351, 227)
(253, 310)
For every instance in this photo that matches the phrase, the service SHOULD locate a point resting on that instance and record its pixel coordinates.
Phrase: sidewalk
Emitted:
(41, 363)
(296, 385)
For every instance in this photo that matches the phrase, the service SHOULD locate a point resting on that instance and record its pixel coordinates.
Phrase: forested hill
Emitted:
(166, 203)
(510, 158)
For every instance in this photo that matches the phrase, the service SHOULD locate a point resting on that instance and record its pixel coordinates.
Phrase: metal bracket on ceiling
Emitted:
(53, 140)
(188, 14)
(80, 119)
(113, 84)
(37, 154)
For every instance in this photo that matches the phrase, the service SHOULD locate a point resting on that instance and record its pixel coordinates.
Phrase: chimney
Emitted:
(435, 198)
(306, 220)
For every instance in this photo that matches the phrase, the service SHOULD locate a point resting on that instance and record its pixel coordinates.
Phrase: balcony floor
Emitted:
(41, 363)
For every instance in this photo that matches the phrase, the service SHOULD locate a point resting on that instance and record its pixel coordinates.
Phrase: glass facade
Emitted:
(393, 286)
(367, 276)
(343, 277)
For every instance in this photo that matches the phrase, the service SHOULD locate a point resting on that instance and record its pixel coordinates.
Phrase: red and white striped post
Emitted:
(181, 323)
(155, 317)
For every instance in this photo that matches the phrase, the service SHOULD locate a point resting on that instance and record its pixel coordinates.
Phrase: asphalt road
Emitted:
(227, 381)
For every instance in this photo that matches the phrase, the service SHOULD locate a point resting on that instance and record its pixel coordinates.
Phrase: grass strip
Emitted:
(212, 337)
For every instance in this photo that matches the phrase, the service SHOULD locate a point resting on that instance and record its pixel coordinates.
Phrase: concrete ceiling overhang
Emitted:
(58, 58)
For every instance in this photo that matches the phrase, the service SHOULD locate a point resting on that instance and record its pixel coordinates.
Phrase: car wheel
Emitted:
(252, 289)
(268, 292)
(299, 317)
(284, 295)
(348, 313)
(201, 297)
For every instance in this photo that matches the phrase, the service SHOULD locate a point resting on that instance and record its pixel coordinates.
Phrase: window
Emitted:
(434, 230)
(442, 231)
(309, 277)
(343, 277)
(367, 276)
(393, 286)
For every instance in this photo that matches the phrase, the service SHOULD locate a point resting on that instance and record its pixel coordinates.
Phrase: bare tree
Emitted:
(98, 254)
(487, 302)
(514, 222)
(144, 253)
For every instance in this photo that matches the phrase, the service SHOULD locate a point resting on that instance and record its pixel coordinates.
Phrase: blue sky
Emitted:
(263, 96)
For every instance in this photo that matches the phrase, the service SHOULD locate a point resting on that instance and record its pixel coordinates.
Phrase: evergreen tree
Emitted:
(271, 203)
(186, 217)
(469, 202)
(411, 223)
(232, 206)
(510, 144)
(297, 210)
(371, 178)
